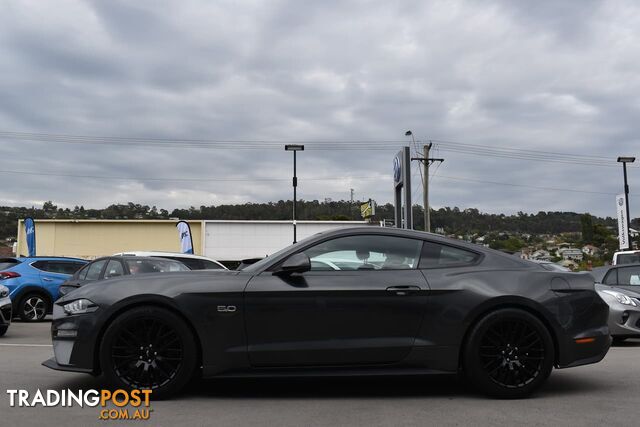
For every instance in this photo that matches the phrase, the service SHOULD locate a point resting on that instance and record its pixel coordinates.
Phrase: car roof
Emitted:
(162, 253)
(133, 257)
(48, 258)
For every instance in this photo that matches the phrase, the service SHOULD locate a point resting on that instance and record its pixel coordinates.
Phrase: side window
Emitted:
(61, 267)
(40, 265)
(366, 252)
(82, 274)
(93, 272)
(435, 255)
(114, 269)
(629, 276)
(210, 265)
(612, 277)
(192, 263)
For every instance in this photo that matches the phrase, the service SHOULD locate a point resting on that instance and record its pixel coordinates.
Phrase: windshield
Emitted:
(7, 264)
(141, 266)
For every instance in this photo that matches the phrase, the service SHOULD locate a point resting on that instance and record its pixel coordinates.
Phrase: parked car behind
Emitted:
(5, 310)
(619, 286)
(194, 262)
(34, 282)
(626, 257)
(116, 266)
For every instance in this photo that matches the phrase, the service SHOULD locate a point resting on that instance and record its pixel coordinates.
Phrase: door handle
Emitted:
(46, 279)
(403, 290)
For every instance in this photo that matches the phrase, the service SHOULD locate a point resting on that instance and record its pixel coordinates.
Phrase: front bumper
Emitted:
(624, 320)
(5, 311)
(74, 339)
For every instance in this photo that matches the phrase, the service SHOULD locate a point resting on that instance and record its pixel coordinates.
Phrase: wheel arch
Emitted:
(502, 303)
(32, 289)
(157, 301)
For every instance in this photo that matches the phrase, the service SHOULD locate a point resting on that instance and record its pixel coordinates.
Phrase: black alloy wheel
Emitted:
(32, 308)
(149, 348)
(509, 354)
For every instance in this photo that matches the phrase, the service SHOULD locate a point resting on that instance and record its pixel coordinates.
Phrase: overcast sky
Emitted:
(553, 76)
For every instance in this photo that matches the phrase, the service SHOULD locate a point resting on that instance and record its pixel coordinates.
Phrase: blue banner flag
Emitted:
(30, 229)
(186, 242)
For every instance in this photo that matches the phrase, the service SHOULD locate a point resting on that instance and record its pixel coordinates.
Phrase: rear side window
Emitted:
(62, 267)
(209, 265)
(7, 264)
(628, 258)
(435, 255)
(192, 263)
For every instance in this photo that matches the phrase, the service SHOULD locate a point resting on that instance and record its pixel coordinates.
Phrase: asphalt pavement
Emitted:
(604, 393)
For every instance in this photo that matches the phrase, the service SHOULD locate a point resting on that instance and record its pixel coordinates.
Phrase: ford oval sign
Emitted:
(397, 169)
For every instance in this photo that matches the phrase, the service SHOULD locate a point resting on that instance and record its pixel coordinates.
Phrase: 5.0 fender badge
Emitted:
(226, 308)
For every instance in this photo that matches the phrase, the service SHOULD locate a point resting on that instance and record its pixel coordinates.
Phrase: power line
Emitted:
(260, 179)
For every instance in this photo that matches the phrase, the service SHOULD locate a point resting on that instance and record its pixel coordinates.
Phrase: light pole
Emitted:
(295, 148)
(624, 161)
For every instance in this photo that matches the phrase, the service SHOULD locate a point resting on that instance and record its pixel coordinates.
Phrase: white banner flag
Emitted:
(623, 231)
(186, 243)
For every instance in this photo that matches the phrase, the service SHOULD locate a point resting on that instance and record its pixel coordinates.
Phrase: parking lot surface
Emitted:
(605, 393)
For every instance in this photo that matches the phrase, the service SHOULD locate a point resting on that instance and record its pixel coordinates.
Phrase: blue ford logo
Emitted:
(397, 169)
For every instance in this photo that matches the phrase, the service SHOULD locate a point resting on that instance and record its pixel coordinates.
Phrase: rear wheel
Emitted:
(509, 354)
(149, 348)
(3, 330)
(33, 307)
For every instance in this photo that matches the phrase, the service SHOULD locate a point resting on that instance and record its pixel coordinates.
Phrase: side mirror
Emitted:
(298, 263)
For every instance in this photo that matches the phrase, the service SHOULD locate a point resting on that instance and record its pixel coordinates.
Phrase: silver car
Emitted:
(619, 286)
(5, 310)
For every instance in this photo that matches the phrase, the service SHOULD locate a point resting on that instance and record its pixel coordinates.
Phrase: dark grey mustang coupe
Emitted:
(357, 301)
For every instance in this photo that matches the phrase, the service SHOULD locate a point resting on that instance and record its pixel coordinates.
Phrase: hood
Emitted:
(148, 283)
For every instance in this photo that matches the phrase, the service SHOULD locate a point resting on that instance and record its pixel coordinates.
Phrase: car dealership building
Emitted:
(218, 239)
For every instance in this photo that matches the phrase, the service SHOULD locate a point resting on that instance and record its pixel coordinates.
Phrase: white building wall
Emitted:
(237, 240)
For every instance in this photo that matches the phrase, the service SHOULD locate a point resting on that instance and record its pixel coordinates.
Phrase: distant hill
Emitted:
(452, 220)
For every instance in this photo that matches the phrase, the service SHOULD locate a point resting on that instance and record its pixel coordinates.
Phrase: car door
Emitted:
(361, 302)
(52, 274)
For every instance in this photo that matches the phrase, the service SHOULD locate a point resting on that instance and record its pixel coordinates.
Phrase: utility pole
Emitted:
(426, 161)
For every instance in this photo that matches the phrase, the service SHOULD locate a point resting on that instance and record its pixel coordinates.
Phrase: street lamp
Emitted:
(624, 161)
(295, 148)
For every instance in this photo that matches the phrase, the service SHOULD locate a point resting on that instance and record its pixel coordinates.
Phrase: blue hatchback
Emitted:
(33, 283)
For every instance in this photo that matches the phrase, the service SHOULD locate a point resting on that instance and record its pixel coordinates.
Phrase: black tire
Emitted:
(33, 307)
(148, 348)
(3, 330)
(618, 340)
(509, 354)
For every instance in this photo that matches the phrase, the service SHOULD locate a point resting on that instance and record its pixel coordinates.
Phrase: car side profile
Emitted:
(34, 283)
(353, 301)
(116, 266)
(619, 286)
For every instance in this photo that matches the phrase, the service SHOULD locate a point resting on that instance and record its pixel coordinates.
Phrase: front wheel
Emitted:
(509, 354)
(149, 348)
(3, 330)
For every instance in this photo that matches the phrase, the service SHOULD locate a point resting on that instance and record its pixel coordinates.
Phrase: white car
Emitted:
(626, 257)
(194, 262)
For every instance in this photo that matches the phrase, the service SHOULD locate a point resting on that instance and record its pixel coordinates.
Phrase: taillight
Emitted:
(8, 275)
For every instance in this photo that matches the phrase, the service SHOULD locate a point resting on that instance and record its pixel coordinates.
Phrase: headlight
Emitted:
(622, 298)
(4, 291)
(79, 306)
